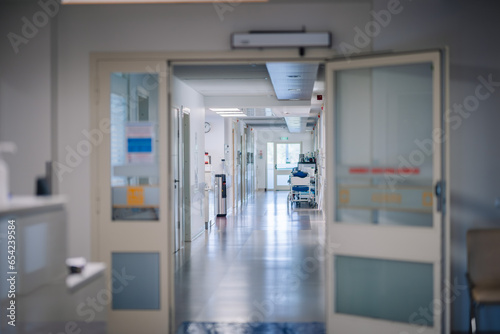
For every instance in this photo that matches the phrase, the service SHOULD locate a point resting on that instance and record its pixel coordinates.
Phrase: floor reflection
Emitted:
(259, 265)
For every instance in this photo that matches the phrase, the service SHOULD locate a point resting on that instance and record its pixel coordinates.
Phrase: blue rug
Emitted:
(252, 328)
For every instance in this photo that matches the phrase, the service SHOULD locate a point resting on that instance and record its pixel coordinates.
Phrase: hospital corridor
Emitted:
(264, 264)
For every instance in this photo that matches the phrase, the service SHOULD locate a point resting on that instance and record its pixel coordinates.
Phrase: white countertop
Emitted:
(19, 204)
(91, 271)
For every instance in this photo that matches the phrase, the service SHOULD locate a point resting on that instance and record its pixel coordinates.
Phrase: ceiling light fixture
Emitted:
(229, 112)
(233, 115)
(225, 109)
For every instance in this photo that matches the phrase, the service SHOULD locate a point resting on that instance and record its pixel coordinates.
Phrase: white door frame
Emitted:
(341, 237)
(225, 57)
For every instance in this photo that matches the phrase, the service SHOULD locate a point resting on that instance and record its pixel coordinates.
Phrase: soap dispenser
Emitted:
(5, 147)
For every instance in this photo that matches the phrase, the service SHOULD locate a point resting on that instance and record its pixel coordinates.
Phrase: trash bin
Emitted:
(220, 195)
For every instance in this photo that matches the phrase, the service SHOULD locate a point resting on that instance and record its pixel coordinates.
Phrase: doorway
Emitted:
(281, 158)
(344, 217)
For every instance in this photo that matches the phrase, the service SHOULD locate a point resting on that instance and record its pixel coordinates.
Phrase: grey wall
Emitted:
(470, 31)
(25, 94)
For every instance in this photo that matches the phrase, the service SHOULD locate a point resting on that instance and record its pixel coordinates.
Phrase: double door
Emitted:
(281, 158)
(386, 242)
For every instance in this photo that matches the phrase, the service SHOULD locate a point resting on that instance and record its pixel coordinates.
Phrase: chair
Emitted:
(483, 271)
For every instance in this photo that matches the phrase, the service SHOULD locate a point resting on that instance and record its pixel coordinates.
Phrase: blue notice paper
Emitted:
(140, 145)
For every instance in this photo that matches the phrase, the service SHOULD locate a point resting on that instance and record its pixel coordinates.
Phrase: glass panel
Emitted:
(134, 146)
(270, 165)
(287, 155)
(136, 281)
(384, 289)
(282, 180)
(384, 144)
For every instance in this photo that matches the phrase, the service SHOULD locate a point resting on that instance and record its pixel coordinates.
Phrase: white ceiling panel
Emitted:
(293, 81)
(231, 87)
(250, 88)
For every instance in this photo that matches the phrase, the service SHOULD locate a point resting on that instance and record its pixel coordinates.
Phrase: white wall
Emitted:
(263, 136)
(25, 97)
(183, 95)
(470, 31)
(214, 142)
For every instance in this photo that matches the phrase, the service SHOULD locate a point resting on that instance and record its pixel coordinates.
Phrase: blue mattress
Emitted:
(300, 188)
(299, 174)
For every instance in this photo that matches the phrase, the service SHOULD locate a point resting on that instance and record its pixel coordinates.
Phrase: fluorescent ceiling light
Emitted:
(229, 112)
(233, 115)
(225, 109)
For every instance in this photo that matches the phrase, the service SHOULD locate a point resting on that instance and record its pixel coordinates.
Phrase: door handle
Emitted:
(438, 190)
(176, 181)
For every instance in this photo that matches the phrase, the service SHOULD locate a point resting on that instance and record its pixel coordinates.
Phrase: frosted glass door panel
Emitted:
(282, 180)
(384, 136)
(136, 281)
(384, 289)
(287, 155)
(134, 142)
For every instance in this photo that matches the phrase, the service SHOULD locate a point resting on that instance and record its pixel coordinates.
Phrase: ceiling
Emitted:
(273, 95)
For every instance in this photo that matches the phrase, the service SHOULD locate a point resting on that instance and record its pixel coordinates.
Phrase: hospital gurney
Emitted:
(300, 189)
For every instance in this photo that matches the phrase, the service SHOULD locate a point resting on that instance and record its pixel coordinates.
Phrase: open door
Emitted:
(384, 140)
(177, 168)
(133, 230)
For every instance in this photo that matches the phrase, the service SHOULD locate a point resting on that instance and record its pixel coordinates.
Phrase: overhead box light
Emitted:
(229, 112)
(281, 39)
